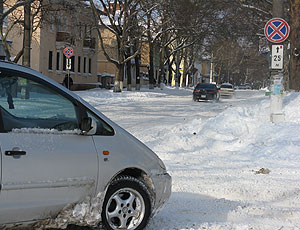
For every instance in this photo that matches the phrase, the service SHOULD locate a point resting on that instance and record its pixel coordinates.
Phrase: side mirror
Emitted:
(88, 126)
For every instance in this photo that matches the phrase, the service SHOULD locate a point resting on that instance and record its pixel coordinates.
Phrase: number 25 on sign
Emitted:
(277, 57)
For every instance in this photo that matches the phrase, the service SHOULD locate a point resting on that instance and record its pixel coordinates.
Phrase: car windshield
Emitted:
(205, 86)
(227, 86)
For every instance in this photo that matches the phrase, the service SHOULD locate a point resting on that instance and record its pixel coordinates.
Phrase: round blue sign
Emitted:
(277, 30)
(68, 52)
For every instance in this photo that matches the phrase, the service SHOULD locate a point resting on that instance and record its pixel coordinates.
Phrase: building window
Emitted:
(57, 60)
(50, 60)
(59, 22)
(64, 63)
(90, 65)
(66, 24)
(87, 32)
(84, 64)
(52, 22)
(72, 64)
(79, 64)
(80, 30)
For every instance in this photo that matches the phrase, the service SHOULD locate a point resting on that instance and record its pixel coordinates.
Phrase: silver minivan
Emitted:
(63, 162)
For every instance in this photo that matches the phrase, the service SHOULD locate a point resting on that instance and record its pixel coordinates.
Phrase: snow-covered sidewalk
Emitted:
(231, 167)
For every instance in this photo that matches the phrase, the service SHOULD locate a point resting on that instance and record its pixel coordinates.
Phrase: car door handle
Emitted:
(15, 153)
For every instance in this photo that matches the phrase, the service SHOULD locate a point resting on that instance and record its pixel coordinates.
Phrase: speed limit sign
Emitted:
(277, 57)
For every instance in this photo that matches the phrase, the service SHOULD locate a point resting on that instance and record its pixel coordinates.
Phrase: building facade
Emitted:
(69, 25)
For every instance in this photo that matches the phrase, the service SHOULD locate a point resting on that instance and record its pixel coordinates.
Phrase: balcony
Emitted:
(63, 37)
(89, 43)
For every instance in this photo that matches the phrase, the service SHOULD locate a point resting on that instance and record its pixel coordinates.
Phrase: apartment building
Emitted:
(63, 26)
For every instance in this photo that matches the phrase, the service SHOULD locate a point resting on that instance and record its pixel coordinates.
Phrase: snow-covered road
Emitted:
(231, 167)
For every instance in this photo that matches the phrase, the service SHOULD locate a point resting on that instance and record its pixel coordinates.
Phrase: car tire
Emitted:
(127, 204)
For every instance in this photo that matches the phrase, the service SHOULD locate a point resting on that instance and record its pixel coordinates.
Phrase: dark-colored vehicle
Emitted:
(206, 91)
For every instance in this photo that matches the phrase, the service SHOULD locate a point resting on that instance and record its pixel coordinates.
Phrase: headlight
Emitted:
(162, 165)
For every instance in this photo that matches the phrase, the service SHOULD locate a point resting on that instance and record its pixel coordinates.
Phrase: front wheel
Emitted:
(127, 205)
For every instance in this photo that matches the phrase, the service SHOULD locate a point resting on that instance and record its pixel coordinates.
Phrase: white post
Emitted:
(276, 113)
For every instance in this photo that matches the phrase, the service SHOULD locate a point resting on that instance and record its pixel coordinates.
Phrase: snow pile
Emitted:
(292, 103)
(46, 131)
(230, 130)
(222, 158)
(85, 213)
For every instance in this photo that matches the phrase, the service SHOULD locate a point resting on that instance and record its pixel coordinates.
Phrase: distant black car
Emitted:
(206, 91)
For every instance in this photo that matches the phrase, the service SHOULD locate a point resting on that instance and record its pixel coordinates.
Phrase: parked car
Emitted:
(246, 86)
(59, 155)
(226, 90)
(205, 91)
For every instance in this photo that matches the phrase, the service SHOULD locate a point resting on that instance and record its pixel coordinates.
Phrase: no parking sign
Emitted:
(277, 30)
(68, 52)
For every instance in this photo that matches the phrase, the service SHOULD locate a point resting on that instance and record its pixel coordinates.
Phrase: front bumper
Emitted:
(163, 187)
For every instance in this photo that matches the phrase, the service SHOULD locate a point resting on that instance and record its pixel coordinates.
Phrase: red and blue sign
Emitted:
(277, 30)
(68, 52)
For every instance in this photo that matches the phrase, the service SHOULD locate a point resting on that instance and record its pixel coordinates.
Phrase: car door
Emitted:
(46, 162)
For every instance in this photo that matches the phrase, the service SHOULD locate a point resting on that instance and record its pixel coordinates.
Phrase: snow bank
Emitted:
(231, 167)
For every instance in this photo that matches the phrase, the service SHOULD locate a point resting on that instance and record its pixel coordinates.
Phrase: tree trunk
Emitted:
(178, 75)
(27, 35)
(128, 68)
(162, 73)
(151, 67)
(1, 28)
(137, 72)
(295, 45)
(170, 73)
(185, 77)
(26, 45)
(151, 51)
(118, 86)
(1, 12)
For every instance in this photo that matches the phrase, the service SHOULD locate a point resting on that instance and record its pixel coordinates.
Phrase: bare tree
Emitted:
(179, 33)
(117, 17)
(13, 10)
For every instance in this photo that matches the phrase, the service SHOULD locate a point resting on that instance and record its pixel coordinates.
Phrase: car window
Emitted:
(205, 86)
(102, 128)
(29, 104)
(227, 86)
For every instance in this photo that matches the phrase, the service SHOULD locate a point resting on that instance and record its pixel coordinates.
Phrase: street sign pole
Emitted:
(68, 67)
(277, 31)
(68, 52)
(68, 74)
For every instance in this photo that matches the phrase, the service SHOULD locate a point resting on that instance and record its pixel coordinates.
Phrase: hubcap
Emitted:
(125, 209)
